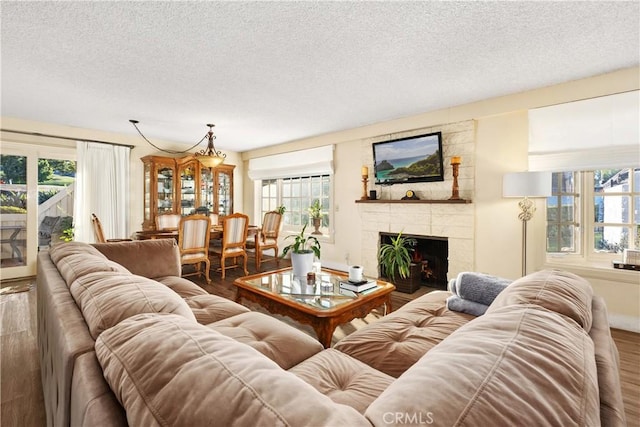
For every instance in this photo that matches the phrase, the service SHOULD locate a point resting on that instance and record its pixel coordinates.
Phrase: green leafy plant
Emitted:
(315, 210)
(67, 235)
(395, 257)
(280, 209)
(68, 230)
(302, 244)
(14, 198)
(12, 210)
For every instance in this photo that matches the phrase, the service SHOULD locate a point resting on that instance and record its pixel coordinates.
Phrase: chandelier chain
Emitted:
(134, 123)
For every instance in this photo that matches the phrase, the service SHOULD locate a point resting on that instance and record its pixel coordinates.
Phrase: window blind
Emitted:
(309, 162)
(597, 133)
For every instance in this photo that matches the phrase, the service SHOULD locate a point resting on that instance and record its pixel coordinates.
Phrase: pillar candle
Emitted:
(455, 160)
(365, 171)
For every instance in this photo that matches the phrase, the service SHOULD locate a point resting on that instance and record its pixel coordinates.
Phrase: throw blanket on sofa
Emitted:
(474, 292)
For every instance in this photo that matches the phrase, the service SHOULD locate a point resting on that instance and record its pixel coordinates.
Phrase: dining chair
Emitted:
(234, 236)
(193, 241)
(267, 238)
(98, 232)
(168, 222)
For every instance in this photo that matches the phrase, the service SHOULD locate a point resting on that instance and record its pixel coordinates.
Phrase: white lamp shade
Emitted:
(526, 184)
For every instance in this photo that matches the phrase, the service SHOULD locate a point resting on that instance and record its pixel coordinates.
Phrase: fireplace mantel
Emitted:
(458, 201)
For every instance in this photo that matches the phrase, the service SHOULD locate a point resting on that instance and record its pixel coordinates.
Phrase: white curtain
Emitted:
(313, 161)
(597, 133)
(102, 187)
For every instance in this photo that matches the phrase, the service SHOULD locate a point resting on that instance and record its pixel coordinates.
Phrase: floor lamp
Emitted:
(526, 185)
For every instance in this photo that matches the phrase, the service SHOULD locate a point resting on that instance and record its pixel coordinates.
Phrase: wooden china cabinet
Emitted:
(182, 185)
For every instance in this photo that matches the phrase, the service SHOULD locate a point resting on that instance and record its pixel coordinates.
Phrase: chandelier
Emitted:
(208, 157)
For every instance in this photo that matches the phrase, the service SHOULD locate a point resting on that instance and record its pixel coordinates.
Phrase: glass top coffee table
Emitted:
(321, 304)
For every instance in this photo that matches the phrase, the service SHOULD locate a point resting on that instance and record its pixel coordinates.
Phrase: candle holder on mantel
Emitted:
(365, 179)
(455, 164)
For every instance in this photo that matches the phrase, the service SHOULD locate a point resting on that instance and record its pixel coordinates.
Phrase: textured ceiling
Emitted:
(272, 72)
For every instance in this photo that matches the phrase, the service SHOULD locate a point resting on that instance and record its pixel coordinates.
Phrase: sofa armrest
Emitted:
(608, 363)
(63, 336)
(147, 258)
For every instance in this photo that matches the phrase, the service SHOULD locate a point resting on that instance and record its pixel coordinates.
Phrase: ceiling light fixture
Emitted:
(209, 157)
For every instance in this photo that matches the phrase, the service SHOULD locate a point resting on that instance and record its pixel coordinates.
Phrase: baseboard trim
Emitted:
(627, 323)
(335, 266)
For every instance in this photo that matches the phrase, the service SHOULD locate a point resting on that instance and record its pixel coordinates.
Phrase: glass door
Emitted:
(13, 206)
(37, 184)
(56, 187)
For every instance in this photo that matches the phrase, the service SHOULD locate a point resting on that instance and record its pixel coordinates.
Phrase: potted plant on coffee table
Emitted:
(315, 213)
(303, 250)
(394, 258)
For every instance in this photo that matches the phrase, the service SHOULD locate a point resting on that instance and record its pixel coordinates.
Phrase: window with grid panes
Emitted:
(562, 214)
(296, 195)
(609, 203)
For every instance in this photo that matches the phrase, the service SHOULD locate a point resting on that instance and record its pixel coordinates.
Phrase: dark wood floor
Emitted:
(21, 390)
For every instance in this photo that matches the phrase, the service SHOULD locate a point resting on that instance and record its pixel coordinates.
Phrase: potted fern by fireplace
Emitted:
(395, 260)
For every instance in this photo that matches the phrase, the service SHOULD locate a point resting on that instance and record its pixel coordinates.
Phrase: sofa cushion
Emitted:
(212, 308)
(74, 266)
(183, 287)
(556, 290)
(72, 248)
(344, 379)
(211, 380)
(107, 298)
(278, 341)
(518, 363)
(396, 341)
(148, 258)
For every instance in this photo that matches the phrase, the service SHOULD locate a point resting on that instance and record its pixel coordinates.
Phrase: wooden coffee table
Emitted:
(322, 304)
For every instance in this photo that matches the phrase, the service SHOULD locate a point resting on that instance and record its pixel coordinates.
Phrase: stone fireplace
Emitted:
(446, 222)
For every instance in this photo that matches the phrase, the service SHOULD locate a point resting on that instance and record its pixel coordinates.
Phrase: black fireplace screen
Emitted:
(431, 255)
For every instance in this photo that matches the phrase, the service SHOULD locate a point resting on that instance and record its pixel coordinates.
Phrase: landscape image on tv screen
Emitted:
(413, 159)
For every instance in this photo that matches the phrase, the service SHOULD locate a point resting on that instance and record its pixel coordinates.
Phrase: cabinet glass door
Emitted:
(165, 190)
(225, 203)
(187, 189)
(147, 194)
(206, 189)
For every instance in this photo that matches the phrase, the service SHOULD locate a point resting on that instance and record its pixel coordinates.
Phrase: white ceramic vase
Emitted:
(302, 263)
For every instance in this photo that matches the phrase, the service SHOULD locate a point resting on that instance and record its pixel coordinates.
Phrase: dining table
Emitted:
(214, 234)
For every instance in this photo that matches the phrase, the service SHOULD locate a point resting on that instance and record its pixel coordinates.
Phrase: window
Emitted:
(608, 201)
(616, 205)
(563, 214)
(297, 194)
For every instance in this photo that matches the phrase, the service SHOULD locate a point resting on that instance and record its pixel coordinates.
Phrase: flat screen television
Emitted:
(413, 159)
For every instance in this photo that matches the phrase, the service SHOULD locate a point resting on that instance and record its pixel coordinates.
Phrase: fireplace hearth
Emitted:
(430, 260)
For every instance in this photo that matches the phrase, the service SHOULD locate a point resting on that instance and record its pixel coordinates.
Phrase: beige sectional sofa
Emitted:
(125, 340)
